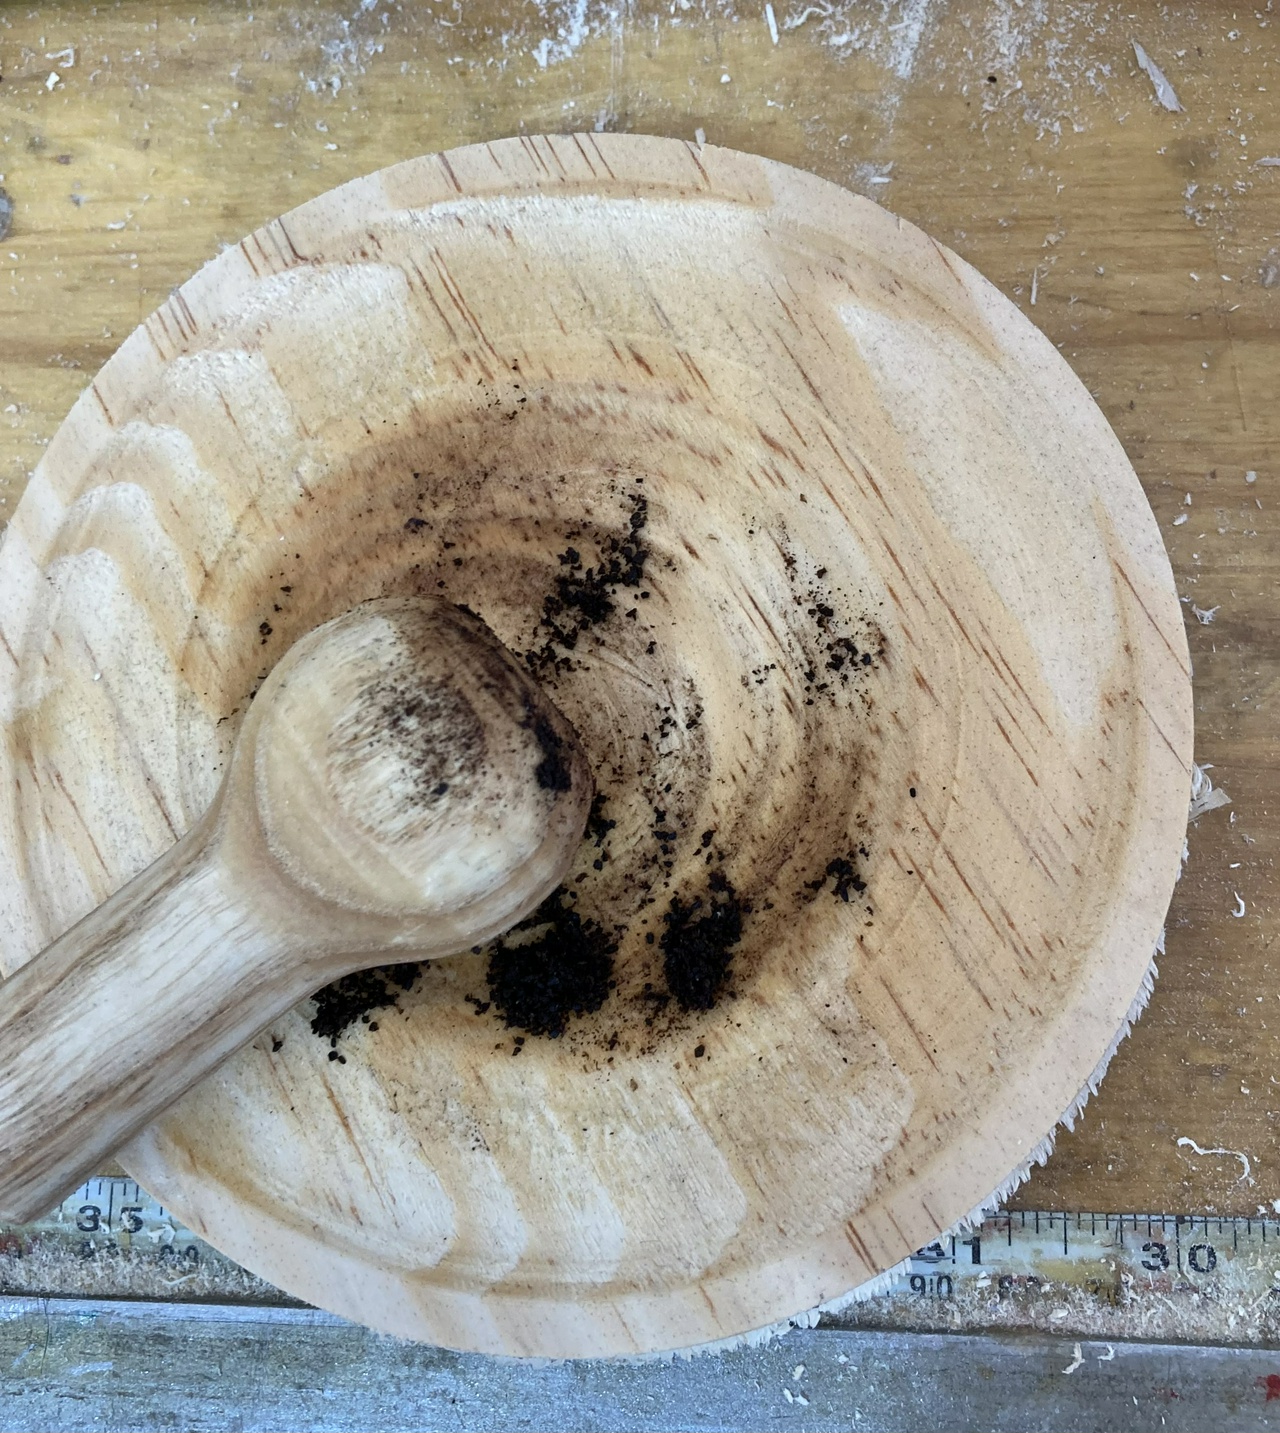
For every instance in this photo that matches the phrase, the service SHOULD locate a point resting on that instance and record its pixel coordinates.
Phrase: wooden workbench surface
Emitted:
(136, 141)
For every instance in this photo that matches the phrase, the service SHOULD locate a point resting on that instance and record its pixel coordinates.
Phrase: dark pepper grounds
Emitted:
(341, 1004)
(842, 872)
(583, 596)
(565, 969)
(553, 772)
(697, 942)
(598, 824)
(559, 963)
(845, 878)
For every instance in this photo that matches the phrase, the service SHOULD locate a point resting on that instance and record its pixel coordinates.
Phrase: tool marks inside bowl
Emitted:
(701, 656)
(847, 441)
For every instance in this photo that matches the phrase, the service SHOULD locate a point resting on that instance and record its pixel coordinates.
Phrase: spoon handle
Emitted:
(119, 1017)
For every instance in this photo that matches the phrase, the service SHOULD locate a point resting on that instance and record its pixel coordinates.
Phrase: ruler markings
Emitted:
(1108, 1255)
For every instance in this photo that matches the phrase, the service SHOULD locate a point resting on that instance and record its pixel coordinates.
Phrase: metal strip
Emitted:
(79, 1365)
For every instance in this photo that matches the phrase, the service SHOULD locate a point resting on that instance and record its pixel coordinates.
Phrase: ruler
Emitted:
(111, 1239)
(108, 1216)
(1109, 1255)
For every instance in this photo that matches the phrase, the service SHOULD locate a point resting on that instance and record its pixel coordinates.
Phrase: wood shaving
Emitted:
(1164, 90)
(1204, 795)
(772, 22)
(1185, 1143)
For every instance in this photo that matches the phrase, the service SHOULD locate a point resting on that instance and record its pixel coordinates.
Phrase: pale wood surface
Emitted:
(383, 803)
(1064, 167)
(845, 442)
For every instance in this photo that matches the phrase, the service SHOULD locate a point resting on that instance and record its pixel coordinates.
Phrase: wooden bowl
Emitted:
(888, 672)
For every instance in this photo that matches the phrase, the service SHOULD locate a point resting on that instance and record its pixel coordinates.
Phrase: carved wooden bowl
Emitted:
(865, 622)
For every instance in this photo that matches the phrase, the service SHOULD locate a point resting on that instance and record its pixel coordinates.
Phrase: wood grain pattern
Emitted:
(388, 799)
(836, 440)
(1151, 238)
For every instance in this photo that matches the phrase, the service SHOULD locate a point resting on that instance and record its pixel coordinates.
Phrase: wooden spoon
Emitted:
(400, 789)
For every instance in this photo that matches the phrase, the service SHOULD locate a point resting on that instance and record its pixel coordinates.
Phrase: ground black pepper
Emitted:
(845, 878)
(583, 597)
(697, 942)
(598, 824)
(345, 1001)
(561, 963)
(564, 968)
(843, 874)
(553, 772)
